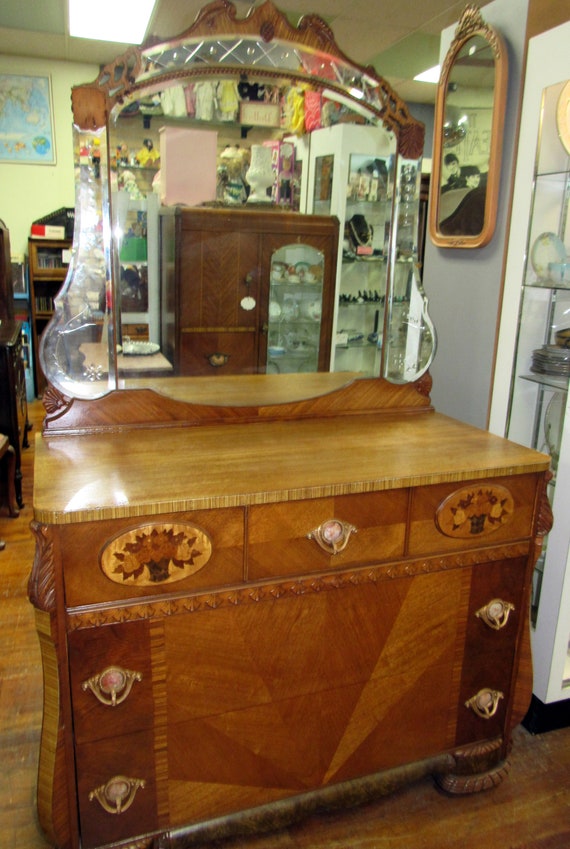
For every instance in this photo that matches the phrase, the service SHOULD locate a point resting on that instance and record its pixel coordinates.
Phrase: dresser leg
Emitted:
(479, 767)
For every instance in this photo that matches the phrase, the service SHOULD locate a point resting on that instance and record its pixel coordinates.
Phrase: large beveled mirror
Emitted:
(469, 115)
(247, 204)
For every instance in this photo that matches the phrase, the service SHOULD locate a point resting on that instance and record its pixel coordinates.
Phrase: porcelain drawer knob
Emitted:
(118, 794)
(333, 535)
(112, 686)
(496, 613)
(485, 702)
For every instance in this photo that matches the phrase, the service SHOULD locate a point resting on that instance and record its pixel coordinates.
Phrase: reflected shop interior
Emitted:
(247, 202)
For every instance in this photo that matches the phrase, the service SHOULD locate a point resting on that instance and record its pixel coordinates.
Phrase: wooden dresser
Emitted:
(241, 623)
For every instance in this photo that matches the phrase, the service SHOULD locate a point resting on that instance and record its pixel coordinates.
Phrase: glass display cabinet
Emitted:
(354, 175)
(538, 403)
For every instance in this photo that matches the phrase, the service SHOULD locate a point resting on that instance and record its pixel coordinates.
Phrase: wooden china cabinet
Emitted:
(265, 595)
(239, 300)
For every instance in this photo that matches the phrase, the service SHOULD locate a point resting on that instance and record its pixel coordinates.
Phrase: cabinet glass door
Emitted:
(295, 309)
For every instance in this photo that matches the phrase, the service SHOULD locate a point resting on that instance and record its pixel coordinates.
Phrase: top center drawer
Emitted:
(278, 534)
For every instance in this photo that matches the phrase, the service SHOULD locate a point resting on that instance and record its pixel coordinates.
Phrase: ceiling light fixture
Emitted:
(125, 21)
(429, 76)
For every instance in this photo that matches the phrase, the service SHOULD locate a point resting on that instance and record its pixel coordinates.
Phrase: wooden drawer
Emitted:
(467, 515)
(131, 757)
(490, 652)
(88, 549)
(212, 353)
(277, 533)
(124, 650)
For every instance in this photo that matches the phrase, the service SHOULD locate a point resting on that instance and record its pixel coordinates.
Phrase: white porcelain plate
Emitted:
(140, 349)
(547, 248)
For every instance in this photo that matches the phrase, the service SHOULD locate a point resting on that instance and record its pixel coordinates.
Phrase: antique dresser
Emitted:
(274, 615)
(266, 594)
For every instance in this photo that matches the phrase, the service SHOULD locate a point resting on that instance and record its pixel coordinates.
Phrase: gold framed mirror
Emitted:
(468, 129)
(83, 351)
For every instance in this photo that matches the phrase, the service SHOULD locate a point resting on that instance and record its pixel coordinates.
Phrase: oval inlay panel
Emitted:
(156, 554)
(474, 511)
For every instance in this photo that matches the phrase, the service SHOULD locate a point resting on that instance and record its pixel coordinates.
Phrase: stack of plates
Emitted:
(551, 359)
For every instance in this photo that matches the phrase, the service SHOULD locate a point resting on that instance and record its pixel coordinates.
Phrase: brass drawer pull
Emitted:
(112, 686)
(117, 795)
(333, 535)
(485, 702)
(218, 359)
(496, 613)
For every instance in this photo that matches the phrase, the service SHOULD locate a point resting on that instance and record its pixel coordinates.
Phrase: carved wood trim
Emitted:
(478, 767)
(271, 591)
(41, 584)
(92, 103)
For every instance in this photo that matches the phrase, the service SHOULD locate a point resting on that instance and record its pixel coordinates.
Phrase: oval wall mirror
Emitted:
(165, 139)
(469, 116)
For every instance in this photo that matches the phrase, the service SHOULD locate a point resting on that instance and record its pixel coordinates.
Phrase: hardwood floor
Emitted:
(530, 810)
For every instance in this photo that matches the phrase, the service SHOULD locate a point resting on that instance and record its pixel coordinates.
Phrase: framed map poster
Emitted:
(26, 120)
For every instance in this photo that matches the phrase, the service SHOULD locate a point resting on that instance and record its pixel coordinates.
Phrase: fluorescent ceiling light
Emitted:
(429, 76)
(125, 21)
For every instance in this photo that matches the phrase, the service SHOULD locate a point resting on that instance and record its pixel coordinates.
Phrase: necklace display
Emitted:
(361, 235)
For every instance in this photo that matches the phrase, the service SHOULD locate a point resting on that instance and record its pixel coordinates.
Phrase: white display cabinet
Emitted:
(355, 174)
(533, 351)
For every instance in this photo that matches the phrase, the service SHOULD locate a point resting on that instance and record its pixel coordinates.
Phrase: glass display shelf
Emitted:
(538, 414)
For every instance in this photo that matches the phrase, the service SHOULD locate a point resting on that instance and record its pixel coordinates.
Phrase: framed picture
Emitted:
(26, 120)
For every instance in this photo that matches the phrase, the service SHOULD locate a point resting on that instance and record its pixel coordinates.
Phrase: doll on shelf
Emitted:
(147, 156)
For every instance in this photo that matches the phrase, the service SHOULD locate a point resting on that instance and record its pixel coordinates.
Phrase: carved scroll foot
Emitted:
(477, 768)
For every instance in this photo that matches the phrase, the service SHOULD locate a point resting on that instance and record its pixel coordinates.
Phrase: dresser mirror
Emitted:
(252, 81)
(469, 116)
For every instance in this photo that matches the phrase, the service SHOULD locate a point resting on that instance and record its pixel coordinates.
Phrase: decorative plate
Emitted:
(140, 349)
(563, 116)
(547, 248)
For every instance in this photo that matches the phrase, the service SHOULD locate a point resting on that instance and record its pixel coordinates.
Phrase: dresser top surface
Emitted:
(145, 471)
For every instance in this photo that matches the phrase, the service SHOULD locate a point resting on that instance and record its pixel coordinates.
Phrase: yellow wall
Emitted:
(28, 192)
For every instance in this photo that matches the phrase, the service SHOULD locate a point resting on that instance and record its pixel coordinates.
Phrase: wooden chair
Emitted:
(8, 460)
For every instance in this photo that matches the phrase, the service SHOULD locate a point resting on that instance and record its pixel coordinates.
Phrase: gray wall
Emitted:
(464, 286)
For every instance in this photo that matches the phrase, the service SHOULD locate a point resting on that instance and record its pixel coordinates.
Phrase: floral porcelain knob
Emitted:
(333, 535)
(112, 686)
(117, 795)
(496, 613)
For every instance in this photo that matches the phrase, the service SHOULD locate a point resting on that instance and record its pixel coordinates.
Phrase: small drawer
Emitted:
(278, 534)
(448, 517)
(111, 680)
(123, 768)
(101, 559)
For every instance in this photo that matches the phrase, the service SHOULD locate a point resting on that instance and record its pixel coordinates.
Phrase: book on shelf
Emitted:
(47, 231)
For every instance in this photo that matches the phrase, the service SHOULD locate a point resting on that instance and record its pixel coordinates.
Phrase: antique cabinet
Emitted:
(247, 290)
(533, 352)
(236, 642)
(48, 261)
(13, 399)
